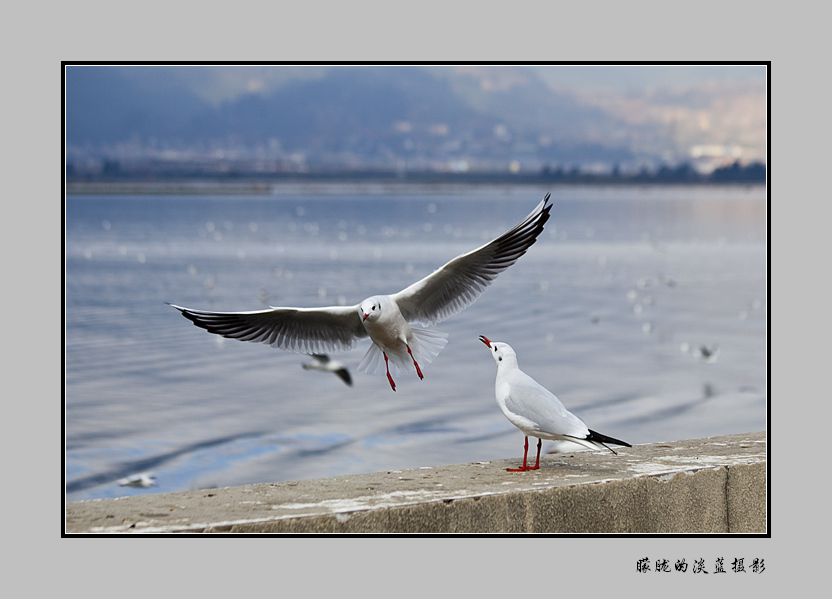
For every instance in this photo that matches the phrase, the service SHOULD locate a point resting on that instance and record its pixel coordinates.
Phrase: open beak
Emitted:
(485, 340)
(366, 316)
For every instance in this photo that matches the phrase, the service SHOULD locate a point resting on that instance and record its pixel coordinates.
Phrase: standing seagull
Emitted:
(536, 411)
(324, 364)
(385, 319)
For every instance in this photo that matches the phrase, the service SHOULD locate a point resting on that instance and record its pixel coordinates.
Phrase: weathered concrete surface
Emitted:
(713, 485)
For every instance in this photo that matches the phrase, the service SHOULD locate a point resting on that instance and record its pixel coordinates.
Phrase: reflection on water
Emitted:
(598, 310)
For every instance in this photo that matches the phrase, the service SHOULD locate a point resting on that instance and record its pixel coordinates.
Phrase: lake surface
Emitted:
(608, 310)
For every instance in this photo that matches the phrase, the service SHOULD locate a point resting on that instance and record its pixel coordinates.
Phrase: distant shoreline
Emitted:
(365, 182)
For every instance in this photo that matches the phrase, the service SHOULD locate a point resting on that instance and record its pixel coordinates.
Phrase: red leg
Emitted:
(389, 378)
(525, 453)
(537, 461)
(418, 370)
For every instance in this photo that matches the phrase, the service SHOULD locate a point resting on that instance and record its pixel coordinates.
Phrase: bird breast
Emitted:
(390, 330)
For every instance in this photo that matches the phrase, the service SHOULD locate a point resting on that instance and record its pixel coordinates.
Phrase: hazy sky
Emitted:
(221, 82)
(636, 77)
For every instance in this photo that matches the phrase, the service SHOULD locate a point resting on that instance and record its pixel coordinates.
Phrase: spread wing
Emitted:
(461, 281)
(307, 330)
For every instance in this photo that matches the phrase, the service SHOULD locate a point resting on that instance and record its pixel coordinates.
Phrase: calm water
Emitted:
(607, 310)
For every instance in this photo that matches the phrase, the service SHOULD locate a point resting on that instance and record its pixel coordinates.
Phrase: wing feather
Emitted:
(307, 330)
(533, 401)
(461, 281)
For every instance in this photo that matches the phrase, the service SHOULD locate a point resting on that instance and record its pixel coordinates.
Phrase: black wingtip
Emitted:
(604, 439)
(344, 375)
(546, 205)
(545, 211)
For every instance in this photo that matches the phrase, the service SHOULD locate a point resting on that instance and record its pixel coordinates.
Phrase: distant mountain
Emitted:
(105, 107)
(356, 109)
(391, 116)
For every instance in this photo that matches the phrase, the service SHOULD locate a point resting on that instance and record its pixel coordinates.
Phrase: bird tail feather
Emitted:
(425, 346)
(373, 361)
(599, 439)
(428, 344)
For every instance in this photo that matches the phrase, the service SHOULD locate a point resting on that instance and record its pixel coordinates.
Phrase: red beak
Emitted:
(485, 340)
(365, 316)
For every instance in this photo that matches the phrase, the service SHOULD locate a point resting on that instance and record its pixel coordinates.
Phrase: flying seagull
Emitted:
(145, 479)
(535, 410)
(709, 354)
(385, 319)
(323, 363)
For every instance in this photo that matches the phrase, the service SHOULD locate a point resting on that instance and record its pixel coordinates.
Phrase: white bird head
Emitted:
(501, 352)
(370, 309)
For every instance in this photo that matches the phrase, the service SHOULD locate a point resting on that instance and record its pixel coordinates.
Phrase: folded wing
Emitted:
(533, 401)
(307, 330)
(461, 281)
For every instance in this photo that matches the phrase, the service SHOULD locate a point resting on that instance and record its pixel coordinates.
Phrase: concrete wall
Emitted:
(713, 485)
